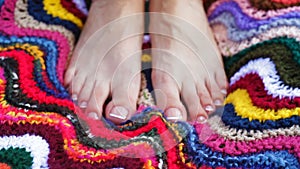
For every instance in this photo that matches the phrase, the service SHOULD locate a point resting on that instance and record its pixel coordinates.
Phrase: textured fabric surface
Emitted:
(40, 126)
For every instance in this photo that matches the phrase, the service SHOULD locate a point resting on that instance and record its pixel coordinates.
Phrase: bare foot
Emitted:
(188, 73)
(106, 61)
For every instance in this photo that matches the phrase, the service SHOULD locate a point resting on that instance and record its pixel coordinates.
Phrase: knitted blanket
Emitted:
(40, 126)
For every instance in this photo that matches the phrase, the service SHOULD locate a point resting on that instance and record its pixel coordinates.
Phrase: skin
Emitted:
(189, 71)
(188, 75)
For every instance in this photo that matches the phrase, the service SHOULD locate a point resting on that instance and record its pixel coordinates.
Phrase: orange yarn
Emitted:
(4, 166)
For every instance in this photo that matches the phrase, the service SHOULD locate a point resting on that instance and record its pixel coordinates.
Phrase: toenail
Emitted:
(224, 91)
(173, 114)
(218, 103)
(74, 97)
(201, 119)
(93, 115)
(83, 105)
(209, 109)
(119, 112)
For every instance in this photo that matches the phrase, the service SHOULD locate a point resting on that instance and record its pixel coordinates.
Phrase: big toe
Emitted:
(167, 96)
(125, 91)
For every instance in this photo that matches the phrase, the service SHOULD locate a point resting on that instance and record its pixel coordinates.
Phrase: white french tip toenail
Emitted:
(201, 119)
(209, 108)
(93, 115)
(173, 114)
(83, 105)
(224, 91)
(174, 118)
(74, 97)
(119, 112)
(218, 103)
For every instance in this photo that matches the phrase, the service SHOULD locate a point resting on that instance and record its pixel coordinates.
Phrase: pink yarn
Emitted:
(252, 12)
(2, 73)
(229, 47)
(288, 2)
(11, 28)
(218, 143)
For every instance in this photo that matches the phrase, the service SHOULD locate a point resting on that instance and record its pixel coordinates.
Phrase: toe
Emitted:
(124, 97)
(76, 86)
(69, 75)
(167, 96)
(222, 82)
(215, 93)
(86, 92)
(192, 102)
(205, 98)
(96, 100)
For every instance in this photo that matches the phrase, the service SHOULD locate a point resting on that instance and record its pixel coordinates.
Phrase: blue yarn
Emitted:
(50, 49)
(1, 3)
(230, 118)
(236, 11)
(241, 17)
(35, 9)
(200, 154)
(237, 29)
(237, 34)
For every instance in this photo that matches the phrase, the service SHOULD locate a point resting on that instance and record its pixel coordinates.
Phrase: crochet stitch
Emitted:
(40, 126)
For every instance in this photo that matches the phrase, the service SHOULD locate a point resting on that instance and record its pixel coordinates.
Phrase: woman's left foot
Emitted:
(188, 74)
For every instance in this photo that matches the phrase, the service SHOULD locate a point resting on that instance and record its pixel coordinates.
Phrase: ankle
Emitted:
(121, 6)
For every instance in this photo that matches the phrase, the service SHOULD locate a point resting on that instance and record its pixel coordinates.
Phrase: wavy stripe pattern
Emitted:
(40, 126)
(259, 40)
(37, 146)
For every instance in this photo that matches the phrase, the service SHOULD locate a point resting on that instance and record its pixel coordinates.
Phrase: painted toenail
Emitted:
(224, 91)
(93, 115)
(218, 103)
(119, 112)
(173, 114)
(74, 97)
(209, 109)
(201, 119)
(83, 105)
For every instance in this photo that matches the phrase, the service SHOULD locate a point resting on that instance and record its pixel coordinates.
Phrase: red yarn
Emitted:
(71, 7)
(10, 28)
(287, 2)
(27, 83)
(259, 96)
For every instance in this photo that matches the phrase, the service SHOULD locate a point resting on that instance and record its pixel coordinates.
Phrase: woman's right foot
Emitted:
(106, 61)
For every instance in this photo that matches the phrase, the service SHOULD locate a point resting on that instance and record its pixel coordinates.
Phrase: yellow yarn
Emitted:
(54, 8)
(146, 58)
(243, 107)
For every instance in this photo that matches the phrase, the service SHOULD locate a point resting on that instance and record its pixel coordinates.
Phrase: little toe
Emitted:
(192, 102)
(69, 75)
(167, 96)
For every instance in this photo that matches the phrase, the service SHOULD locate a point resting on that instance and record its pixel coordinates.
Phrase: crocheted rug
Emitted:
(40, 127)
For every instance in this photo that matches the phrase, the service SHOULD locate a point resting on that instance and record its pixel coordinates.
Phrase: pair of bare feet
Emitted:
(188, 75)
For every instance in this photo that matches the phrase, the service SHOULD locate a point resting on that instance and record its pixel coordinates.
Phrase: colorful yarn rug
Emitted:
(40, 127)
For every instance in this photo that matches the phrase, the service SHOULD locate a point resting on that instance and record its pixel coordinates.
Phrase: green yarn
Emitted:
(17, 158)
(284, 52)
(270, 5)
